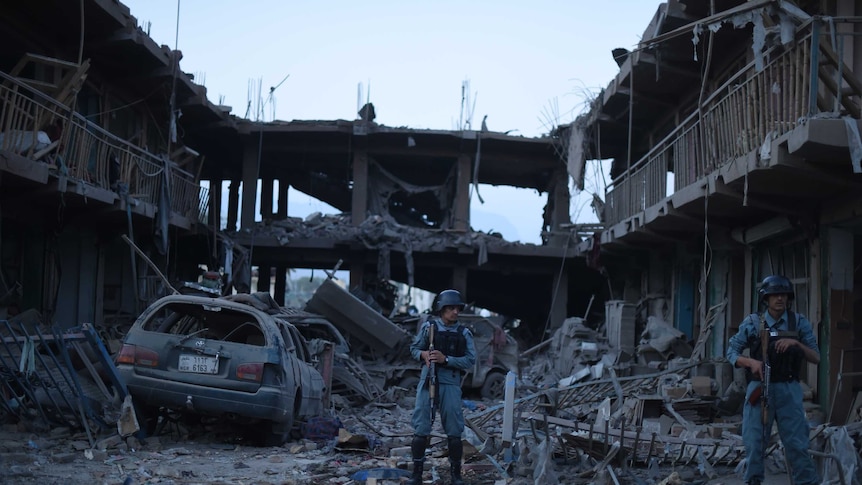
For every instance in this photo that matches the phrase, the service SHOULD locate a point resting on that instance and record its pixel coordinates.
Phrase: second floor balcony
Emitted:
(42, 139)
(757, 141)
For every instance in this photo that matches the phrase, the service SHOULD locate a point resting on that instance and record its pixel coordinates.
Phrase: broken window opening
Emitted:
(426, 206)
(418, 209)
(202, 322)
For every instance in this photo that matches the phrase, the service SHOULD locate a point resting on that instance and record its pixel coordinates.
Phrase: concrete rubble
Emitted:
(584, 412)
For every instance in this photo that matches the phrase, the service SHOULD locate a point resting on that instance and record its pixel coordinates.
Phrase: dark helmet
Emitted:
(448, 298)
(774, 285)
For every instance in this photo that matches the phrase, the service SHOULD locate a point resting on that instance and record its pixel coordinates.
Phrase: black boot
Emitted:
(456, 453)
(417, 448)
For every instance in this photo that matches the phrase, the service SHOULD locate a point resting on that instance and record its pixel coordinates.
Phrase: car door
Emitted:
(310, 382)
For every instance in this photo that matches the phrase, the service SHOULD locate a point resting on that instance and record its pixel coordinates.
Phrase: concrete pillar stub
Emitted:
(359, 202)
(283, 186)
(232, 205)
(249, 185)
(461, 205)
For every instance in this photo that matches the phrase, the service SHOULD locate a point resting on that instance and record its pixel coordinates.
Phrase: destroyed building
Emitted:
(105, 135)
(733, 130)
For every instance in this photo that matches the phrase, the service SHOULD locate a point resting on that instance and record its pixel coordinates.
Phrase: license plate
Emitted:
(198, 364)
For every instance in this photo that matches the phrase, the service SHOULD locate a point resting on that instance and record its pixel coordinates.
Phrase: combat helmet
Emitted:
(773, 285)
(448, 298)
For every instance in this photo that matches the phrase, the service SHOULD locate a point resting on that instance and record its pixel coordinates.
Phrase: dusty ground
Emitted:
(213, 453)
(61, 460)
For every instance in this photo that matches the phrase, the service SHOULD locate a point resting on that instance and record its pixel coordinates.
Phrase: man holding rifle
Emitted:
(778, 340)
(446, 349)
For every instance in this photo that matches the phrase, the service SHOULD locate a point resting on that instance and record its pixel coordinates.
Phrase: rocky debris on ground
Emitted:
(582, 412)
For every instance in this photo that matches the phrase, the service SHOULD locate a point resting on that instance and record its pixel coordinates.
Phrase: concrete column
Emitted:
(215, 203)
(280, 284)
(357, 275)
(266, 198)
(232, 205)
(838, 334)
(559, 299)
(359, 203)
(461, 207)
(283, 185)
(249, 185)
(264, 273)
(558, 202)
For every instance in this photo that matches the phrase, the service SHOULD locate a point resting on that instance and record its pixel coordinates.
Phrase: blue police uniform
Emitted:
(448, 380)
(785, 403)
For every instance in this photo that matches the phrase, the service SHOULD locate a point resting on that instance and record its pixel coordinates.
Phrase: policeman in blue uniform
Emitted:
(791, 341)
(454, 353)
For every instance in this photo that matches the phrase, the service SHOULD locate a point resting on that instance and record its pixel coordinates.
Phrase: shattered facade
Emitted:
(735, 141)
(734, 147)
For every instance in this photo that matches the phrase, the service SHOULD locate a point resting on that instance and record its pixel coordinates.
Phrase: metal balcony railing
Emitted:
(797, 81)
(86, 152)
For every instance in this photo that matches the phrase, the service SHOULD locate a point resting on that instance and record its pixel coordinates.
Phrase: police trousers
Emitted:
(785, 408)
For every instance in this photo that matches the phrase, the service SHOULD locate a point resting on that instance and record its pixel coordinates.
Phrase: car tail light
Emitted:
(132, 354)
(249, 372)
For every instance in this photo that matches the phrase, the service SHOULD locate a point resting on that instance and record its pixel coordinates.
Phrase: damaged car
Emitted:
(213, 357)
(384, 344)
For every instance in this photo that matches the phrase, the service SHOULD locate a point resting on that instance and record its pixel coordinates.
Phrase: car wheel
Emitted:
(274, 434)
(409, 382)
(148, 419)
(494, 386)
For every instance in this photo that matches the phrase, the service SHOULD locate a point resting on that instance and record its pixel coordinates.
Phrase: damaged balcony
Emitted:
(44, 143)
(751, 147)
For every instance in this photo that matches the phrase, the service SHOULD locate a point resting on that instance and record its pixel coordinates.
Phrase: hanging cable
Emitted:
(706, 262)
(172, 121)
(81, 43)
(256, 177)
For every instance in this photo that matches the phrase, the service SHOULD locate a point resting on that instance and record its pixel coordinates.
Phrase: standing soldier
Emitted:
(790, 341)
(453, 353)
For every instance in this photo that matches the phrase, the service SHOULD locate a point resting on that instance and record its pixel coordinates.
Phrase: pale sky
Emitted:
(530, 65)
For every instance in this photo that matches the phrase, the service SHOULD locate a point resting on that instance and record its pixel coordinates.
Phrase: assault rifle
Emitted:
(432, 373)
(764, 383)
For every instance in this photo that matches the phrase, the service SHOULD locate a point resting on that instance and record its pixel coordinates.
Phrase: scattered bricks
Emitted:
(109, 442)
(673, 392)
(133, 443)
(701, 385)
(276, 459)
(180, 451)
(400, 451)
(64, 457)
(294, 449)
(19, 458)
(714, 431)
(676, 430)
(96, 455)
(79, 445)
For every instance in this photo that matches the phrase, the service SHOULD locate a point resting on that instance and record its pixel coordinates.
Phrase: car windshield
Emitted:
(206, 321)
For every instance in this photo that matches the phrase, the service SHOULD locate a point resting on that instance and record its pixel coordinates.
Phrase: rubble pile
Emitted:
(380, 233)
(583, 412)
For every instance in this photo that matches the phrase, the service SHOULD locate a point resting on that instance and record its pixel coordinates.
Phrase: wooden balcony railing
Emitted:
(84, 151)
(798, 80)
